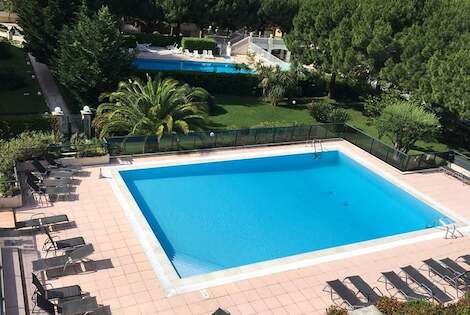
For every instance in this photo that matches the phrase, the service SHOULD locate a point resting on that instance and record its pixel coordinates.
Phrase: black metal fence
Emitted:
(130, 145)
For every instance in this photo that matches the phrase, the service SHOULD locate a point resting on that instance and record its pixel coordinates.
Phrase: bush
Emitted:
(11, 127)
(157, 40)
(216, 83)
(24, 147)
(87, 147)
(374, 105)
(199, 44)
(336, 310)
(10, 79)
(392, 306)
(321, 111)
(312, 84)
(130, 41)
(5, 52)
(338, 115)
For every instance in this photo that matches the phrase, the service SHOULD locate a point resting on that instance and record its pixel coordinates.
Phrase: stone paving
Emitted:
(121, 275)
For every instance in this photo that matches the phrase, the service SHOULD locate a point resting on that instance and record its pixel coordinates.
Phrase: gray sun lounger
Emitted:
(61, 293)
(373, 295)
(50, 173)
(465, 258)
(63, 261)
(65, 244)
(42, 222)
(348, 296)
(455, 267)
(458, 281)
(436, 293)
(79, 306)
(391, 278)
(53, 164)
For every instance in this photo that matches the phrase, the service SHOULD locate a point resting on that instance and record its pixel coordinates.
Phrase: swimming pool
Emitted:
(197, 66)
(218, 215)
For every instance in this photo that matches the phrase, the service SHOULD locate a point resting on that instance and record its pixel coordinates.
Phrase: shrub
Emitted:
(25, 146)
(87, 147)
(11, 127)
(10, 79)
(336, 310)
(199, 44)
(5, 52)
(130, 41)
(338, 115)
(313, 84)
(216, 83)
(374, 105)
(157, 40)
(321, 111)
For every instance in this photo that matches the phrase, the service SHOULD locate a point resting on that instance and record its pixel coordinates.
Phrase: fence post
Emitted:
(292, 133)
(236, 138)
(61, 119)
(309, 133)
(371, 145)
(274, 134)
(256, 136)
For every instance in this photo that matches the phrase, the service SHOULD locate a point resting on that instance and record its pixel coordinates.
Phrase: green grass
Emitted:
(15, 102)
(233, 112)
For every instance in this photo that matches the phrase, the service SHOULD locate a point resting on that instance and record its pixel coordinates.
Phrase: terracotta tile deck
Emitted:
(126, 281)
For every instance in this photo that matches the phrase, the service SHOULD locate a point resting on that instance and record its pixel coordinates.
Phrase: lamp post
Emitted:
(86, 121)
(59, 117)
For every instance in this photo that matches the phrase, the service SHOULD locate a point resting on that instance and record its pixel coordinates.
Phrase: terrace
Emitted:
(123, 274)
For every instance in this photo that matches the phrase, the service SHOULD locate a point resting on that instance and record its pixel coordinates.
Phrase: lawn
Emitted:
(16, 102)
(234, 112)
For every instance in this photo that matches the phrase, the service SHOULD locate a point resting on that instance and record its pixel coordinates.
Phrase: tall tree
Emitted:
(234, 14)
(278, 13)
(90, 59)
(42, 22)
(433, 56)
(322, 36)
(154, 107)
(177, 12)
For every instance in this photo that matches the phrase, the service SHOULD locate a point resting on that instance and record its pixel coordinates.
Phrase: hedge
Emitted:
(199, 44)
(12, 126)
(215, 83)
(156, 40)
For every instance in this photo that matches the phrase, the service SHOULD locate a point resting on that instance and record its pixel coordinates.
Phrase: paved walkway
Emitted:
(121, 275)
(48, 86)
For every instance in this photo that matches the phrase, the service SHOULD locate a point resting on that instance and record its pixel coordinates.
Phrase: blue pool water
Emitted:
(219, 215)
(197, 66)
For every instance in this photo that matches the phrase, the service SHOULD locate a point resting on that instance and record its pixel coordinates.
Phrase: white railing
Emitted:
(241, 47)
(270, 58)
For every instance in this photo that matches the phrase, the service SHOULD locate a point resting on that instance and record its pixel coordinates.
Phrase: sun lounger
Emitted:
(196, 54)
(79, 306)
(455, 280)
(455, 267)
(77, 255)
(205, 54)
(435, 292)
(373, 295)
(391, 278)
(210, 54)
(465, 258)
(65, 244)
(187, 52)
(48, 190)
(73, 291)
(101, 310)
(54, 164)
(39, 168)
(41, 222)
(348, 296)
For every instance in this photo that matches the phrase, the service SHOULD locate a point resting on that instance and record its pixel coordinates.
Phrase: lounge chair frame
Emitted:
(335, 296)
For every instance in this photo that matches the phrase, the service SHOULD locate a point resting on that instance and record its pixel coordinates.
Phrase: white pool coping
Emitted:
(171, 282)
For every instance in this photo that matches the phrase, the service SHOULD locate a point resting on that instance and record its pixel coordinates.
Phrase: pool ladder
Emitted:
(317, 148)
(451, 230)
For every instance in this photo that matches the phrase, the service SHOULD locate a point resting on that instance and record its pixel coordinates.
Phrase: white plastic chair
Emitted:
(210, 55)
(196, 54)
(187, 53)
(205, 54)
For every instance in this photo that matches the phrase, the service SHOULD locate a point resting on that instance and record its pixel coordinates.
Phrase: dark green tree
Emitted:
(90, 59)
(278, 13)
(42, 22)
(235, 14)
(322, 36)
(176, 12)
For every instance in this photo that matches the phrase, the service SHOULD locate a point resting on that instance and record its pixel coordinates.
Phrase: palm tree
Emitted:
(276, 83)
(153, 108)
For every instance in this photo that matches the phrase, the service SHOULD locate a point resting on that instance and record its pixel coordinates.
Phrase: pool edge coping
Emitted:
(172, 284)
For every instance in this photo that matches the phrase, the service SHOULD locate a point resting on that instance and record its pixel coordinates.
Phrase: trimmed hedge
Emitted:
(215, 83)
(157, 40)
(11, 127)
(10, 79)
(5, 52)
(199, 44)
